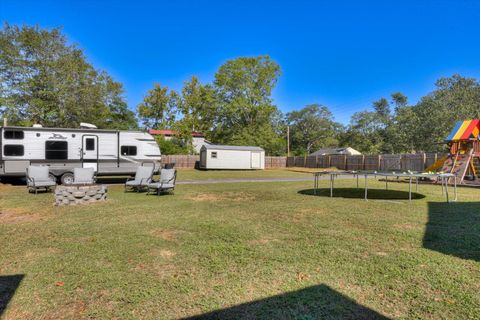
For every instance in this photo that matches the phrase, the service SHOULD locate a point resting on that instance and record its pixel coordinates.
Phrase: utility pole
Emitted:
(288, 141)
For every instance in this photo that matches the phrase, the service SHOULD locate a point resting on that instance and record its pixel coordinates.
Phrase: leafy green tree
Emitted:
(422, 127)
(399, 135)
(383, 111)
(455, 98)
(175, 145)
(399, 99)
(384, 123)
(265, 135)
(312, 128)
(363, 133)
(119, 116)
(245, 109)
(44, 80)
(198, 107)
(402, 133)
(159, 108)
(383, 131)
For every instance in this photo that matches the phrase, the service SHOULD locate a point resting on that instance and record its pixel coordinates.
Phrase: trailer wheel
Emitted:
(67, 178)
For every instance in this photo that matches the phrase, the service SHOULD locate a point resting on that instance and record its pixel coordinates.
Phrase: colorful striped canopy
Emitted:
(465, 130)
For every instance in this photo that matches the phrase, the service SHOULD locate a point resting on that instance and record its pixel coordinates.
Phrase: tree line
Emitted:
(46, 80)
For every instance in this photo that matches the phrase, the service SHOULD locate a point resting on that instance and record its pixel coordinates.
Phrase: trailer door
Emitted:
(90, 152)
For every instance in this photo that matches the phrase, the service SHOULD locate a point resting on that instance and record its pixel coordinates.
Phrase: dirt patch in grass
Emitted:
(225, 196)
(163, 253)
(161, 270)
(71, 310)
(257, 242)
(15, 313)
(33, 254)
(167, 235)
(303, 215)
(205, 197)
(167, 254)
(18, 215)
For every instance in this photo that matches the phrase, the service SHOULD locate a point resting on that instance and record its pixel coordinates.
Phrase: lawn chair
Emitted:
(166, 182)
(39, 177)
(82, 176)
(143, 177)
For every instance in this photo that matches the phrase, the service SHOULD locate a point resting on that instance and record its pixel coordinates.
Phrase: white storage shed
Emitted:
(231, 157)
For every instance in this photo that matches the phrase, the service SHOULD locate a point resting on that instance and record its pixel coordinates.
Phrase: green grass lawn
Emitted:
(247, 250)
(246, 174)
(191, 174)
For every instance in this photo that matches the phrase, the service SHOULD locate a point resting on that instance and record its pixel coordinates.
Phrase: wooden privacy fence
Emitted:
(182, 161)
(191, 161)
(384, 162)
(275, 162)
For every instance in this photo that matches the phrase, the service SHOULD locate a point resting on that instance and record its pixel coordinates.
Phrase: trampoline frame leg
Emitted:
(366, 189)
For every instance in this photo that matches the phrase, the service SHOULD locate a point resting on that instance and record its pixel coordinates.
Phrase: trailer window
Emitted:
(128, 150)
(14, 150)
(56, 150)
(13, 134)
(89, 144)
(214, 155)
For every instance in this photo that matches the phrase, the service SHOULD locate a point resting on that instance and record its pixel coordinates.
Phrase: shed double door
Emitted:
(256, 160)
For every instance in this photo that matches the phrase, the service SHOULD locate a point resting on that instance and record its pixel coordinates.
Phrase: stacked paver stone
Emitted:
(75, 195)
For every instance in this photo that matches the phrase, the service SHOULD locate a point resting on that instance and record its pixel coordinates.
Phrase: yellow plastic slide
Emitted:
(437, 165)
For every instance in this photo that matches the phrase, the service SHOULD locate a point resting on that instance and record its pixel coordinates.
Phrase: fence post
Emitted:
(379, 164)
(329, 161)
(363, 163)
(305, 161)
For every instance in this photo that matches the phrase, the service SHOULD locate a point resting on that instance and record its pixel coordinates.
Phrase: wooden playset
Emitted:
(464, 157)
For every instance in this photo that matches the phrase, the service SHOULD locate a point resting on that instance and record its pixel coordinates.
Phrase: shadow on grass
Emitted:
(354, 193)
(8, 286)
(112, 180)
(454, 229)
(14, 181)
(315, 302)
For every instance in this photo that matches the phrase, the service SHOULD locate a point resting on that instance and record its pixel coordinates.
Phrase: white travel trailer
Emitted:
(109, 152)
(231, 157)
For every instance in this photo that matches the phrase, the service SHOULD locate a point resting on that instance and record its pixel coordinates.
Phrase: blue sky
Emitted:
(344, 54)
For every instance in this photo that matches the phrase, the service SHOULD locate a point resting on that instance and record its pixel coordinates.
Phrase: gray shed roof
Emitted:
(224, 147)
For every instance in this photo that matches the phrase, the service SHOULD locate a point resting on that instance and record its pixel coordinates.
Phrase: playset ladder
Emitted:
(460, 166)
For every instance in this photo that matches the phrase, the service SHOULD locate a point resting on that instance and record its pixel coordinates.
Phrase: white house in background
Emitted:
(335, 151)
(198, 138)
(231, 157)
